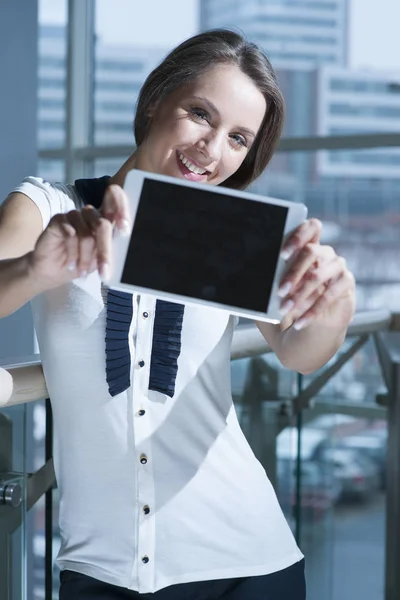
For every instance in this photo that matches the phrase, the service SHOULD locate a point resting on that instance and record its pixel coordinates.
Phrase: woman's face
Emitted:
(204, 130)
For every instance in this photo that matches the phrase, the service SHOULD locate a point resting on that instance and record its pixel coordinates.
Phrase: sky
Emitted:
(374, 40)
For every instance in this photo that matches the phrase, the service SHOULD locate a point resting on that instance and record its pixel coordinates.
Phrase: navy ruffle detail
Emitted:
(118, 356)
(166, 349)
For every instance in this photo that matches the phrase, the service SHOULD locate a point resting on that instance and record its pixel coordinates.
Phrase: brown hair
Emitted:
(196, 55)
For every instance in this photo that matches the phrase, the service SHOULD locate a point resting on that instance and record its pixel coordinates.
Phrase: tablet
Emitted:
(203, 244)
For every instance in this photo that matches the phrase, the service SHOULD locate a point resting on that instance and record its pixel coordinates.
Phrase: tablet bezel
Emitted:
(297, 213)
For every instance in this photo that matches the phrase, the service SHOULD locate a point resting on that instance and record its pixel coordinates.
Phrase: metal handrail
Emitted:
(29, 384)
(247, 340)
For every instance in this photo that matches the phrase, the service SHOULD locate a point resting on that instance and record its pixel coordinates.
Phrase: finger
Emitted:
(86, 241)
(71, 245)
(308, 232)
(335, 290)
(315, 280)
(103, 235)
(60, 227)
(115, 208)
(91, 217)
(292, 313)
(302, 264)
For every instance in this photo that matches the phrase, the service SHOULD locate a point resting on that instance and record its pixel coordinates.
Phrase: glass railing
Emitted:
(323, 440)
(12, 503)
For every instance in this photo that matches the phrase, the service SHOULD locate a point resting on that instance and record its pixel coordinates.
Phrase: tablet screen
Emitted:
(204, 244)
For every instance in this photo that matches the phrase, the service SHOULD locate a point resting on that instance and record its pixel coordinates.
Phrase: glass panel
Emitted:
(52, 74)
(12, 522)
(327, 466)
(13, 438)
(333, 81)
(345, 435)
(12, 541)
(318, 493)
(261, 389)
(35, 517)
(360, 520)
(131, 38)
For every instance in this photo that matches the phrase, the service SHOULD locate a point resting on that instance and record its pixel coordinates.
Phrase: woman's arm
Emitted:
(20, 227)
(306, 350)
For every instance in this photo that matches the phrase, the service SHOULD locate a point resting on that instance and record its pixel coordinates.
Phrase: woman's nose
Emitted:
(211, 146)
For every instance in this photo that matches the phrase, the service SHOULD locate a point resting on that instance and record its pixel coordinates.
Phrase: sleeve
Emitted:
(50, 198)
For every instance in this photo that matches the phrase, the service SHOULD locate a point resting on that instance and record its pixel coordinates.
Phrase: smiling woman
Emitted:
(172, 501)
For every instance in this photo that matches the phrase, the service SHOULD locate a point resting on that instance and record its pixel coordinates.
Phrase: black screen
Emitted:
(204, 244)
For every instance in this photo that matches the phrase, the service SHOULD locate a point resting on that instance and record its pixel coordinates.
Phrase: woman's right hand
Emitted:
(77, 243)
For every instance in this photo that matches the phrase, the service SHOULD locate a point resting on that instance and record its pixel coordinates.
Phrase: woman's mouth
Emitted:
(189, 170)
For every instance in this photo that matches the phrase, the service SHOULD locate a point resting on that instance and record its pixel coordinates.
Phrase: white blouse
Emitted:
(158, 485)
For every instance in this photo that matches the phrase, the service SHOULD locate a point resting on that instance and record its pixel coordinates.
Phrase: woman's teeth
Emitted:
(191, 167)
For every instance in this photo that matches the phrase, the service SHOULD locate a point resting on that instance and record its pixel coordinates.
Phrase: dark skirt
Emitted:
(288, 584)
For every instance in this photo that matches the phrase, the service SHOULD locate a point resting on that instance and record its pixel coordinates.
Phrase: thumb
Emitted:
(115, 208)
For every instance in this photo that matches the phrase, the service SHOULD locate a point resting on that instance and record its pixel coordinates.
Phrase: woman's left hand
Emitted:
(317, 286)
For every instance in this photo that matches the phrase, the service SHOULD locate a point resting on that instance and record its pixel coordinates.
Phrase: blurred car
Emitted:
(318, 491)
(371, 445)
(358, 475)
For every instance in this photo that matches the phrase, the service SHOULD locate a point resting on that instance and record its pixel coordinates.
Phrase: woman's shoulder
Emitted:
(50, 197)
(53, 190)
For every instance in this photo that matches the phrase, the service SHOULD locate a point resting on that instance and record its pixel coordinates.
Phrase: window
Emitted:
(389, 112)
(52, 67)
(366, 86)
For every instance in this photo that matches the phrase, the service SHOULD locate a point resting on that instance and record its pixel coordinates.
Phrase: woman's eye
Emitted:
(199, 113)
(239, 140)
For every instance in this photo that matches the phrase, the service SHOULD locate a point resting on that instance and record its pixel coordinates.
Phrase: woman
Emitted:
(160, 494)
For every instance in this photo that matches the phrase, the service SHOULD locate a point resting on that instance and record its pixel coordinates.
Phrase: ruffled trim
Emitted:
(166, 348)
(118, 356)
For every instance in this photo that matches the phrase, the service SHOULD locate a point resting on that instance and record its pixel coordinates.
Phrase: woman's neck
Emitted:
(120, 175)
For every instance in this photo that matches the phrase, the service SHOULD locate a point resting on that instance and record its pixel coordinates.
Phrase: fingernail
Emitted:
(286, 307)
(286, 253)
(125, 227)
(83, 274)
(301, 324)
(71, 266)
(284, 289)
(104, 271)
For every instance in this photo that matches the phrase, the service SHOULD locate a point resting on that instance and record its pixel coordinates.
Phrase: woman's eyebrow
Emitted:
(210, 105)
(248, 131)
(215, 110)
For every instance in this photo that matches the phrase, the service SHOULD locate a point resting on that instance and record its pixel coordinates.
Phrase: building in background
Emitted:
(119, 72)
(297, 34)
(52, 86)
(354, 102)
